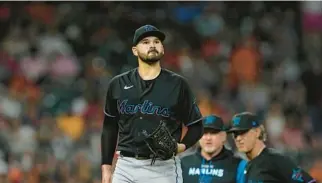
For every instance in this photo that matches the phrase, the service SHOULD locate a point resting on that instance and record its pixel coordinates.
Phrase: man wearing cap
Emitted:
(212, 162)
(136, 102)
(265, 165)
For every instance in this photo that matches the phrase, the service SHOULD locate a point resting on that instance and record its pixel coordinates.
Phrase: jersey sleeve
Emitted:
(110, 108)
(291, 172)
(189, 112)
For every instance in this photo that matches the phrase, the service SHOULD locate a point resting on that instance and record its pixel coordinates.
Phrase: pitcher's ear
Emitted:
(134, 51)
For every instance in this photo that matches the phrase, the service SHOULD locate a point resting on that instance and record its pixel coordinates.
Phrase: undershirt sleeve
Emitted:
(110, 127)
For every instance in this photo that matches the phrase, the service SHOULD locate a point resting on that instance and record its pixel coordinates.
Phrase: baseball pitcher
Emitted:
(145, 111)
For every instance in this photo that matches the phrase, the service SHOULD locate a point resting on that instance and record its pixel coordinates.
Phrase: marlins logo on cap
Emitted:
(214, 122)
(244, 121)
(145, 31)
(148, 28)
(236, 121)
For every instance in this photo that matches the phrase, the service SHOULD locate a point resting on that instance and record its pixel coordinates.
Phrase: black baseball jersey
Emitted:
(223, 168)
(140, 105)
(271, 166)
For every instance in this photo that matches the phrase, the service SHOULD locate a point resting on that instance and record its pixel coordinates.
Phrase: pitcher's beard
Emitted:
(151, 59)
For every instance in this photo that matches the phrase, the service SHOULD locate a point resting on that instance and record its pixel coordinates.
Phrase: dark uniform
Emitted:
(223, 168)
(269, 165)
(141, 105)
(135, 106)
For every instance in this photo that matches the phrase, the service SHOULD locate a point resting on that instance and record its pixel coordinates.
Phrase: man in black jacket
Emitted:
(265, 165)
(212, 162)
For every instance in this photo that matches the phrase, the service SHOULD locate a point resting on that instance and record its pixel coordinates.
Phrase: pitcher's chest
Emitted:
(157, 101)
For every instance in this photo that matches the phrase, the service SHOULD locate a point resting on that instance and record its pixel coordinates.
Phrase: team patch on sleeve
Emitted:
(297, 175)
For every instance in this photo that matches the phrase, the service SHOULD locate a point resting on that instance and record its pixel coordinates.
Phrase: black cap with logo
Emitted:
(145, 31)
(244, 121)
(214, 122)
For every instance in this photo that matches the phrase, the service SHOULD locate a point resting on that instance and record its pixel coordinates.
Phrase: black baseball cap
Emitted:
(213, 122)
(244, 121)
(145, 31)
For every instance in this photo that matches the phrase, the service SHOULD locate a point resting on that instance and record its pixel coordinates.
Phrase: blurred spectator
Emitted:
(16, 44)
(82, 168)
(22, 137)
(293, 135)
(71, 125)
(33, 67)
(245, 64)
(45, 131)
(10, 107)
(209, 23)
(275, 124)
(62, 172)
(53, 42)
(4, 158)
(312, 80)
(63, 67)
(61, 144)
(316, 170)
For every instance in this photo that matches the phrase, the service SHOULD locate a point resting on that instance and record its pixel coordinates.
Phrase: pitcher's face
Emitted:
(149, 50)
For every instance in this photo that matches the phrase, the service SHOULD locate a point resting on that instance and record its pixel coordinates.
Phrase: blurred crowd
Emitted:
(56, 59)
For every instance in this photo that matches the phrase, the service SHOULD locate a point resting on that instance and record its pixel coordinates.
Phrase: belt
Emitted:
(136, 156)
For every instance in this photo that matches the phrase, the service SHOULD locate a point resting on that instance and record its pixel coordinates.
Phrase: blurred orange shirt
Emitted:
(316, 171)
(244, 66)
(20, 87)
(72, 126)
(208, 107)
(42, 12)
(15, 175)
(205, 107)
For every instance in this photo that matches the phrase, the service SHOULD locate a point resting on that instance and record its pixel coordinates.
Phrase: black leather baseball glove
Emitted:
(161, 143)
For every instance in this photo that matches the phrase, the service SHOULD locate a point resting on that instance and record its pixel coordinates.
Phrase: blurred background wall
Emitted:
(57, 58)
